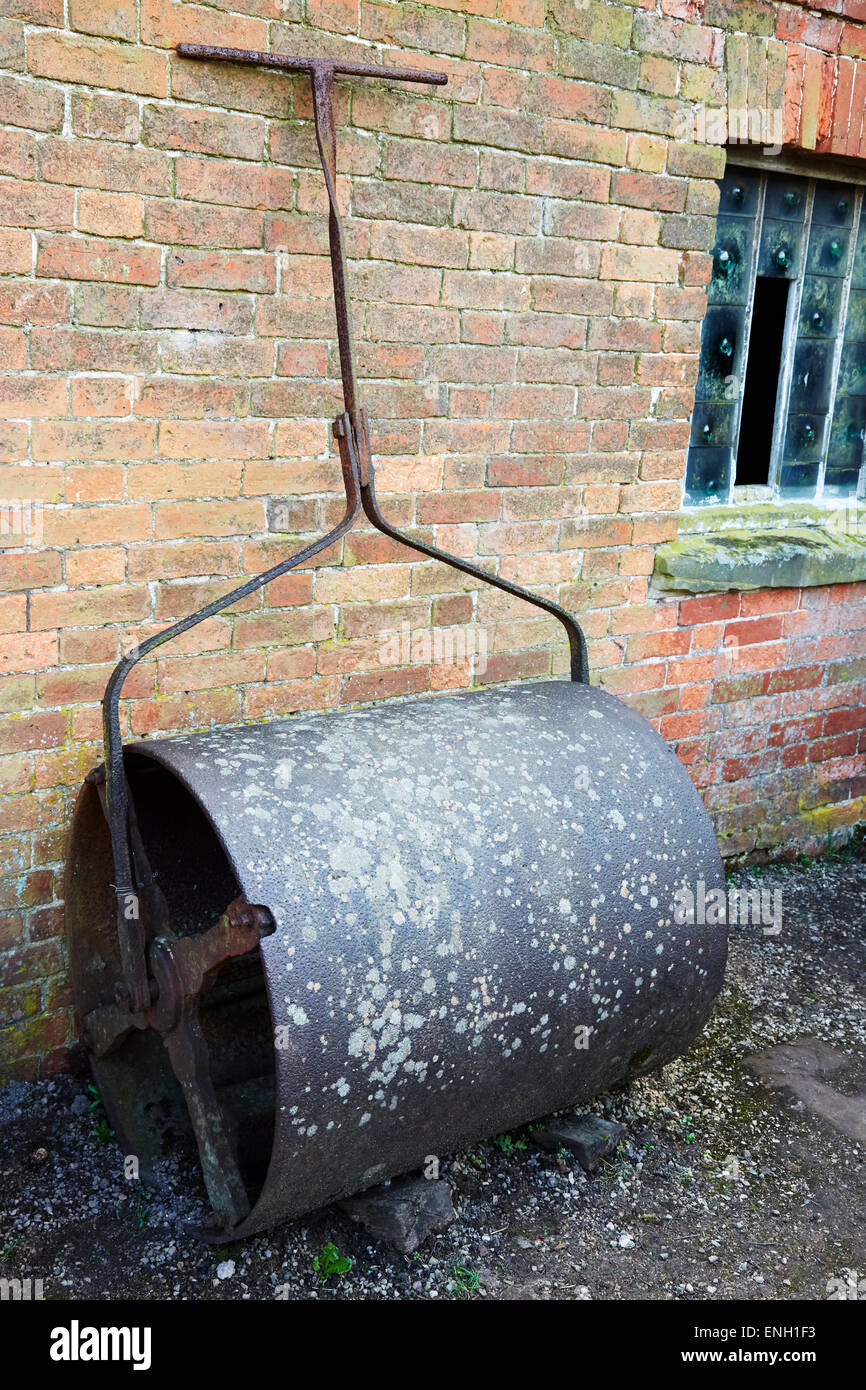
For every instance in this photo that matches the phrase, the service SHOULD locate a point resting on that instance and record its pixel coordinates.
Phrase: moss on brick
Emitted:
(745, 16)
(746, 558)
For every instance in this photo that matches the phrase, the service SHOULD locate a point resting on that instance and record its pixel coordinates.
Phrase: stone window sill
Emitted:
(762, 547)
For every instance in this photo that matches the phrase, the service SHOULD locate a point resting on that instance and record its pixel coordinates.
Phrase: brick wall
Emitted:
(529, 252)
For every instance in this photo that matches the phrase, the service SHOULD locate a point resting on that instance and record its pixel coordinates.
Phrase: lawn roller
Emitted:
(334, 945)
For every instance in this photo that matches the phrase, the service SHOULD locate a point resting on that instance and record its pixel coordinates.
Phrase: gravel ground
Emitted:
(722, 1189)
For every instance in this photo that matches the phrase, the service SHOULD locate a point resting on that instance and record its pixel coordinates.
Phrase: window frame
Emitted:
(811, 174)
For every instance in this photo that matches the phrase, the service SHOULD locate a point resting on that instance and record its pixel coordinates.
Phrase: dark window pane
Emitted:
(708, 475)
(828, 251)
(721, 351)
(785, 198)
(739, 194)
(852, 371)
(819, 307)
(713, 424)
(855, 322)
(812, 377)
(732, 261)
(765, 245)
(844, 458)
(799, 478)
(845, 455)
(804, 439)
(781, 250)
(858, 272)
(833, 205)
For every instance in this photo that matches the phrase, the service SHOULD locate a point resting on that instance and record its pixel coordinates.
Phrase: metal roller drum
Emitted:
(472, 900)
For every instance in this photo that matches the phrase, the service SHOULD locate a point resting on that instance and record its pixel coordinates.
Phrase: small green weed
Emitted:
(465, 1282)
(102, 1130)
(329, 1262)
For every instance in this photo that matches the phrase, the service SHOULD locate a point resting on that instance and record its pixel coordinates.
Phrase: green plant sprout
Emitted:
(465, 1282)
(329, 1261)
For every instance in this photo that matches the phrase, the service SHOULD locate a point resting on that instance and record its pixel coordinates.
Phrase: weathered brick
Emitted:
(645, 263)
(594, 21)
(177, 520)
(572, 140)
(193, 225)
(110, 214)
(399, 113)
(29, 104)
(106, 306)
(204, 132)
(16, 250)
(423, 162)
(12, 44)
(213, 439)
(83, 439)
(30, 204)
(222, 270)
(198, 310)
(116, 20)
(409, 26)
(81, 349)
(105, 117)
(239, 185)
(31, 397)
(166, 23)
(89, 258)
(98, 63)
(507, 130)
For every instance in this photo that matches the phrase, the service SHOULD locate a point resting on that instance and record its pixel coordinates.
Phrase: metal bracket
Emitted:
(182, 970)
(353, 441)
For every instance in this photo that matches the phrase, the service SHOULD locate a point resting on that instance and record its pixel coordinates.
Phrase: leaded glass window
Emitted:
(781, 392)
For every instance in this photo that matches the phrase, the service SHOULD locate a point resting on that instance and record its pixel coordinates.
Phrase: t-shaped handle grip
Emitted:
(288, 64)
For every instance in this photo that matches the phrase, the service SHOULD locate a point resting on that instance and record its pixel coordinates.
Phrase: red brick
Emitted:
(798, 678)
(509, 46)
(117, 19)
(166, 23)
(98, 164)
(204, 132)
(222, 270)
(13, 349)
(767, 629)
(92, 258)
(39, 730)
(179, 520)
(31, 397)
(95, 62)
(105, 117)
(110, 214)
(31, 204)
(238, 184)
(768, 601)
(708, 608)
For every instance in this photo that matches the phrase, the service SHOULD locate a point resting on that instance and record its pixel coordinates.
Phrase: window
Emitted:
(781, 392)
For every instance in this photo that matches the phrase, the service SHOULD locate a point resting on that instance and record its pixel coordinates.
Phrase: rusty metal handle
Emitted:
(353, 441)
(322, 72)
(323, 109)
(285, 63)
